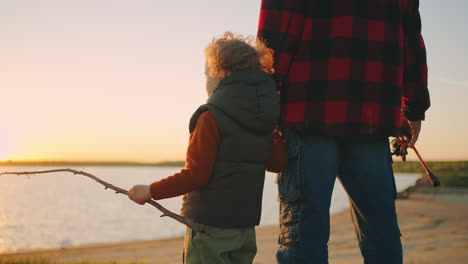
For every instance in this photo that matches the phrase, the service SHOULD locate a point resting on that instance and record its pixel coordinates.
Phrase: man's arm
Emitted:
(415, 93)
(201, 156)
(415, 100)
(280, 26)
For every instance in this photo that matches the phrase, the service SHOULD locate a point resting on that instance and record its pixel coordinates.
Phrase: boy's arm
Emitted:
(278, 158)
(201, 156)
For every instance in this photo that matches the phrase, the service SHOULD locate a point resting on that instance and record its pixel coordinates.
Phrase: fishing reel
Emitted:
(400, 143)
(400, 146)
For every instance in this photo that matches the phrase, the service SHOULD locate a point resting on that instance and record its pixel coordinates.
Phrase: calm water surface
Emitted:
(62, 209)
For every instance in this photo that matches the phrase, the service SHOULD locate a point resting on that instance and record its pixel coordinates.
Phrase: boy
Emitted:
(230, 143)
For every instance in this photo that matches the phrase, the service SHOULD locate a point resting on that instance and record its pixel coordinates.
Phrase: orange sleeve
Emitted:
(278, 158)
(201, 155)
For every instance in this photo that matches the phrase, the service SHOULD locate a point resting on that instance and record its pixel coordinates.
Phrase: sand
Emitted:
(433, 221)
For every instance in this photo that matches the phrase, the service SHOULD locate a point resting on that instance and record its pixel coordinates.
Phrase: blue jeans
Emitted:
(364, 167)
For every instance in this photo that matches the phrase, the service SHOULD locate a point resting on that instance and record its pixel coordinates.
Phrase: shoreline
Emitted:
(432, 221)
(122, 244)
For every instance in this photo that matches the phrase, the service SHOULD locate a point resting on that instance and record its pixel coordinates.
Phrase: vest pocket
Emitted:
(289, 181)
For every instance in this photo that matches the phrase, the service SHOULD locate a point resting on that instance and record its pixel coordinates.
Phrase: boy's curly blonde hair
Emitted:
(231, 53)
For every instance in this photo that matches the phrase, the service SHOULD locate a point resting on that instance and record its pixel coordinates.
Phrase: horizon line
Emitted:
(133, 163)
(89, 163)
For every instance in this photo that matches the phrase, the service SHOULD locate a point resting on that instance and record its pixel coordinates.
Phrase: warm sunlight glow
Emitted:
(119, 81)
(5, 144)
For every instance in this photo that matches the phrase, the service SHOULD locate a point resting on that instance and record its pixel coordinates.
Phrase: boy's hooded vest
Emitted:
(245, 106)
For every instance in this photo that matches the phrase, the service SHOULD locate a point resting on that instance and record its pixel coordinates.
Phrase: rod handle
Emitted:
(433, 179)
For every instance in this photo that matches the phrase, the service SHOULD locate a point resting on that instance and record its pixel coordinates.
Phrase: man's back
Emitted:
(346, 65)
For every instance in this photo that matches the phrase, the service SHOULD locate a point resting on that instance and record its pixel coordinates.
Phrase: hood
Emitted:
(250, 98)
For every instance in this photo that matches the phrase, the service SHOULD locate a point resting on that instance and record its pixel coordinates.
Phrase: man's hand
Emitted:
(411, 128)
(415, 128)
(139, 194)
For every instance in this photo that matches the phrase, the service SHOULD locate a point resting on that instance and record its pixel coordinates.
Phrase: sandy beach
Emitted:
(433, 221)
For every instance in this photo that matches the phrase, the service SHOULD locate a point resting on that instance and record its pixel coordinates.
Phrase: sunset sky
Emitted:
(118, 80)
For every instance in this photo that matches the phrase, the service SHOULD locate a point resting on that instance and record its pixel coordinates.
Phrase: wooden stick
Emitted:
(184, 220)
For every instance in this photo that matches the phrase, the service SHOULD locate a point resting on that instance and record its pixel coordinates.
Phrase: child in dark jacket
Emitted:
(230, 144)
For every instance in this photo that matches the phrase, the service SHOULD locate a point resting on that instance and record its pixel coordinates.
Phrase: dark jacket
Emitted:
(245, 106)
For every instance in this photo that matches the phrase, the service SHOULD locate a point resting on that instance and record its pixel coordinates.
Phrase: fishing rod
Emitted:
(400, 146)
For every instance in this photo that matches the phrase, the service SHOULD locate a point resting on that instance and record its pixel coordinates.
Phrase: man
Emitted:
(347, 70)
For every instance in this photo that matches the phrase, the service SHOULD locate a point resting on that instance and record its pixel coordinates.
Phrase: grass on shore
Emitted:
(46, 260)
(450, 173)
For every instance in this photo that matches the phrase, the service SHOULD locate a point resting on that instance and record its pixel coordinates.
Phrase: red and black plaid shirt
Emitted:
(347, 67)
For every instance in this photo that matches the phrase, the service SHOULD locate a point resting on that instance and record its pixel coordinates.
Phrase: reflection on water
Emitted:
(62, 209)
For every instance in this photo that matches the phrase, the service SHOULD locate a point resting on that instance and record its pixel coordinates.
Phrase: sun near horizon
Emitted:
(117, 80)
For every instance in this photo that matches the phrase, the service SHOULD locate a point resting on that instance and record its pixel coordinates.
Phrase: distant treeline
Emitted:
(450, 173)
(92, 163)
(441, 167)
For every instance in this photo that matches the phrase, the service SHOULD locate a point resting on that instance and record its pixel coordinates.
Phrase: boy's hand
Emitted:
(139, 194)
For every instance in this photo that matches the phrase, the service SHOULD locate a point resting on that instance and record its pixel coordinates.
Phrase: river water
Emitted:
(62, 209)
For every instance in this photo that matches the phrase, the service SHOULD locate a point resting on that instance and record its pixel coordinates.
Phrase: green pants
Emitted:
(220, 246)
